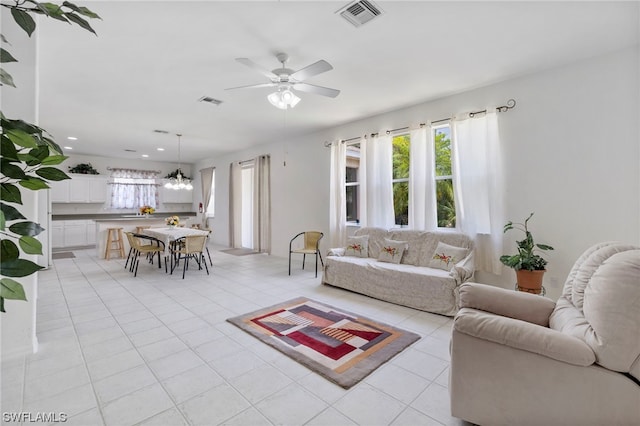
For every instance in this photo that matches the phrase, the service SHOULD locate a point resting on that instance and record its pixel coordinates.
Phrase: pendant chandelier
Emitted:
(179, 182)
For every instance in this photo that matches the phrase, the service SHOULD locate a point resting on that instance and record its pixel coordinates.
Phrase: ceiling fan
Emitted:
(286, 80)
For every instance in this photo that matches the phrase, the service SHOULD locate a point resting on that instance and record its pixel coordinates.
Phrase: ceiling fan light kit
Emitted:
(287, 80)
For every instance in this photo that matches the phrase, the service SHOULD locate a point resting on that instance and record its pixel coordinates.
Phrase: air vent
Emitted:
(164, 132)
(359, 12)
(210, 100)
(131, 150)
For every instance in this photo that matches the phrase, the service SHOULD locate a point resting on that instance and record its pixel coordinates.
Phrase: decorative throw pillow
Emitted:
(446, 256)
(392, 251)
(357, 246)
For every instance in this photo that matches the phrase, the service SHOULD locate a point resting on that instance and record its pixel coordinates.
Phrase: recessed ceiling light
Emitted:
(160, 149)
(72, 138)
(68, 147)
(145, 155)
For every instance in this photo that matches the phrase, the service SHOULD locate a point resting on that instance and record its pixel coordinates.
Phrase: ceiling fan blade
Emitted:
(248, 62)
(318, 90)
(311, 70)
(253, 86)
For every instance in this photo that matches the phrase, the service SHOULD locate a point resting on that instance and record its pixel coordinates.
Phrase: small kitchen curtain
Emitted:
(132, 189)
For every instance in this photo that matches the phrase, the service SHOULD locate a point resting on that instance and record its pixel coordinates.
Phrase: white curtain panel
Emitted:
(206, 177)
(337, 195)
(422, 194)
(262, 204)
(235, 205)
(477, 163)
(378, 186)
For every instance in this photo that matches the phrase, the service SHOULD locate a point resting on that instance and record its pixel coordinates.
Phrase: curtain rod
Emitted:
(511, 103)
(133, 170)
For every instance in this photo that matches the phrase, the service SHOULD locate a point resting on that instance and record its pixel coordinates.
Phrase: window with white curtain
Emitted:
(445, 196)
(401, 156)
(441, 184)
(352, 185)
(132, 189)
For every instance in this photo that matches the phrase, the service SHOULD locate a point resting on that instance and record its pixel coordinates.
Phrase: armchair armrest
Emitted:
(507, 303)
(524, 336)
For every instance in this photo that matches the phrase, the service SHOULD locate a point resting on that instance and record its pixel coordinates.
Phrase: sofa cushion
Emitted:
(446, 256)
(392, 251)
(415, 242)
(455, 239)
(376, 239)
(357, 246)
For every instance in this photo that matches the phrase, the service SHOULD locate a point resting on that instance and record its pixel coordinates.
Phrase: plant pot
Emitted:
(530, 281)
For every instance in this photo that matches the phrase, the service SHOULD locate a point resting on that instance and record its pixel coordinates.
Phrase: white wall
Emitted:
(18, 324)
(571, 149)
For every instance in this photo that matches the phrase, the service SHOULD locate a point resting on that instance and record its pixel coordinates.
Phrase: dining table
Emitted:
(170, 234)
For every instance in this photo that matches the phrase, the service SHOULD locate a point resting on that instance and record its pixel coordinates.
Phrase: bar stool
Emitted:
(114, 236)
(140, 228)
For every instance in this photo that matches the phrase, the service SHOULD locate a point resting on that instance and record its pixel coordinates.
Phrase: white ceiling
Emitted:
(153, 60)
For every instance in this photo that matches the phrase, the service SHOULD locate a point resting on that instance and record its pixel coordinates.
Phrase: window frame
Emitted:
(352, 184)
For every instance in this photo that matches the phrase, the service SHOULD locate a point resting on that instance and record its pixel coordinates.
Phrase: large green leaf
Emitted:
(18, 268)
(51, 173)
(21, 138)
(8, 149)
(34, 184)
(11, 170)
(29, 128)
(6, 79)
(26, 228)
(52, 10)
(8, 250)
(30, 245)
(53, 145)
(38, 155)
(81, 10)
(10, 289)
(10, 193)
(52, 160)
(10, 212)
(23, 19)
(78, 20)
(6, 56)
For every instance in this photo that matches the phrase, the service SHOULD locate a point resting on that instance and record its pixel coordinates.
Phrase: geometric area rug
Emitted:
(339, 345)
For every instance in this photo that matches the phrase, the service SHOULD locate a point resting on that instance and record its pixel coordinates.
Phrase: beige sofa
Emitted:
(410, 283)
(521, 359)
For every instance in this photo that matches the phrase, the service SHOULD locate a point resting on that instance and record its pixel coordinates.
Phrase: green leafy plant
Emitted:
(27, 157)
(174, 175)
(83, 168)
(526, 257)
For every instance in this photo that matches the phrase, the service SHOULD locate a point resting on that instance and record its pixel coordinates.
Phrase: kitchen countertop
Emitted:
(118, 216)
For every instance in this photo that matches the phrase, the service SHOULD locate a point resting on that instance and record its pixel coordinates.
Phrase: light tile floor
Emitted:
(156, 350)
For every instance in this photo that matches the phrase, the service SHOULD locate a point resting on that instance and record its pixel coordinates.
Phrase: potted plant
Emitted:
(83, 169)
(529, 266)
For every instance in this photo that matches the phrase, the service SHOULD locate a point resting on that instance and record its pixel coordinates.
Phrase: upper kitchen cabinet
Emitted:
(80, 189)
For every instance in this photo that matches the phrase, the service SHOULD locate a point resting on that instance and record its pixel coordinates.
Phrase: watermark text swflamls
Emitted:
(27, 417)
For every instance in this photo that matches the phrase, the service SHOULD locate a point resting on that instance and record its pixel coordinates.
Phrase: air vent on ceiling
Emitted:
(360, 12)
(210, 100)
(131, 150)
(164, 132)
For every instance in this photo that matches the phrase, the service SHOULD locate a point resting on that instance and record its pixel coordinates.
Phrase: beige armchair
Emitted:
(521, 359)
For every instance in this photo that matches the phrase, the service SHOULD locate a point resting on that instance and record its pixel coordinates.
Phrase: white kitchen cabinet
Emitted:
(73, 233)
(80, 189)
(59, 191)
(57, 234)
